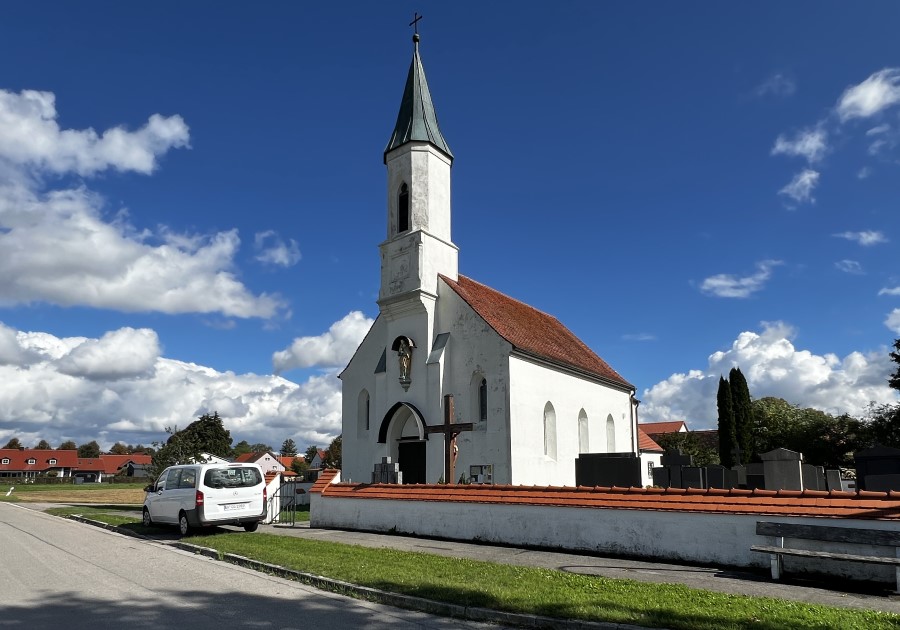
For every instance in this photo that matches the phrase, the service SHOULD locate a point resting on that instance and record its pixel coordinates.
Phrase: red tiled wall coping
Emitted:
(324, 480)
(866, 505)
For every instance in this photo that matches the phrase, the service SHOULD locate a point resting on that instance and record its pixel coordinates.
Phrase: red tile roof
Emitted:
(655, 428)
(532, 331)
(864, 505)
(287, 461)
(245, 457)
(110, 464)
(646, 443)
(18, 459)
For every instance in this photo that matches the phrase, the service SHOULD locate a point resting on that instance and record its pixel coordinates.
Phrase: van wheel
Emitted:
(147, 520)
(251, 527)
(183, 526)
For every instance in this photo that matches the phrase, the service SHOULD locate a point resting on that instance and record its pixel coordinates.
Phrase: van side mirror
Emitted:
(150, 488)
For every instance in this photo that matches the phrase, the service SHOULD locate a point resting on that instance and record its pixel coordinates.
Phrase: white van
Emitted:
(202, 495)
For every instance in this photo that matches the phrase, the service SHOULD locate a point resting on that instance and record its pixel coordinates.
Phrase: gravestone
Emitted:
(740, 473)
(693, 477)
(833, 480)
(387, 472)
(756, 476)
(715, 477)
(674, 457)
(661, 477)
(782, 469)
(608, 469)
(880, 464)
(813, 477)
(882, 483)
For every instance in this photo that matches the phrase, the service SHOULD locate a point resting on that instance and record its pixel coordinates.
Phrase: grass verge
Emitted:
(520, 589)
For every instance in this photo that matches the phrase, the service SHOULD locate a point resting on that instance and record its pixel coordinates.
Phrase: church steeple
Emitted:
(417, 120)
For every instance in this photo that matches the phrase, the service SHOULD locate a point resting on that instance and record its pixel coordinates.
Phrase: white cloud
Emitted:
(809, 143)
(849, 266)
(800, 188)
(639, 337)
(773, 366)
(727, 285)
(777, 85)
(880, 91)
(274, 251)
(58, 390)
(333, 348)
(865, 238)
(893, 321)
(891, 291)
(30, 136)
(878, 130)
(56, 246)
(864, 173)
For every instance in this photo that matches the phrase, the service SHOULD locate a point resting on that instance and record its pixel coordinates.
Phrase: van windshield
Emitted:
(232, 477)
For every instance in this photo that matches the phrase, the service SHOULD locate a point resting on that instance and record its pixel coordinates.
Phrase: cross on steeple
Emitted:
(450, 431)
(415, 22)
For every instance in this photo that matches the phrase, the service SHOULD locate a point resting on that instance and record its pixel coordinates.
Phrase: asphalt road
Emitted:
(56, 573)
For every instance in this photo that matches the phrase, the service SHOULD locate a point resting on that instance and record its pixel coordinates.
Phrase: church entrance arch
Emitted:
(403, 430)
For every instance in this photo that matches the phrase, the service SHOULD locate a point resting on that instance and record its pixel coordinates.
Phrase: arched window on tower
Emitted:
(549, 431)
(610, 434)
(403, 209)
(583, 445)
(482, 400)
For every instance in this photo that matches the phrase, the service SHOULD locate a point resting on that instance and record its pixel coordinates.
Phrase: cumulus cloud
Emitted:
(773, 366)
(849, 266)
(864, 238)
(891, 291)
(333, 348)
(118, 388)
(274, 251)
(800, 188)
(727, 285)
(878, 92)
(893, 321)
(809, 143)
(57, 246)
(777, 85)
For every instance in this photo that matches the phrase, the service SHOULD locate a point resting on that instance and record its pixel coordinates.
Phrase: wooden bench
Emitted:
(854, 535)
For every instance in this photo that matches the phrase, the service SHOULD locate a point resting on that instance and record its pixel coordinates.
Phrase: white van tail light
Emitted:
(199, 498)
(265, 496)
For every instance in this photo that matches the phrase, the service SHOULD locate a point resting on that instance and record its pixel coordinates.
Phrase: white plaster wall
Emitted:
(701, 538)
(532, 386)
(646, 459)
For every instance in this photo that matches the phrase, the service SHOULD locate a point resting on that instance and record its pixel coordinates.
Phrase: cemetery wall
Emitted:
(696, 526)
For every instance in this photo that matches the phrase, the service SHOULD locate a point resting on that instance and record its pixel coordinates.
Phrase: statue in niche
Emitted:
(404, 356)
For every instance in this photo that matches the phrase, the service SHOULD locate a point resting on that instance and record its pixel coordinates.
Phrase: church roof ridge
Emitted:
(531, 330)
(417, 119)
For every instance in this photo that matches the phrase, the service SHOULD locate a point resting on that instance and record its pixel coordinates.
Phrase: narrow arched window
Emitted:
(549, 431)
(363, 410)
(583, 446)
(482, 400)
(610, 434)
(403, 209)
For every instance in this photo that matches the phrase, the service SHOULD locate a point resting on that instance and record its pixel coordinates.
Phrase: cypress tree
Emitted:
(743, 413)
(894, 380)
(726, 424)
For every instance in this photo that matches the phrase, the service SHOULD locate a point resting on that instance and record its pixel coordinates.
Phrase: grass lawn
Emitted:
(106, 493)
(521, 589)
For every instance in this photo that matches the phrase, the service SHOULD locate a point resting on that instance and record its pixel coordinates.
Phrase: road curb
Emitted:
(408, 602)
(107, 526)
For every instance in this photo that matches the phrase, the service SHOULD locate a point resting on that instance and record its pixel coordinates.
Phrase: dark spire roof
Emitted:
(417, 121)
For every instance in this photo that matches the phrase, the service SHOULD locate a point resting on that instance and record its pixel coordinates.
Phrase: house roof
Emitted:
(416, 120)
(246, 457)
(646, 443)
(111, 464)
(532, 331)
(654, 428)
(288, 460)
(18, 459)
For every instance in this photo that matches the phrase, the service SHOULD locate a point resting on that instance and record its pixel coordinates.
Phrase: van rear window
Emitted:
(232, 477)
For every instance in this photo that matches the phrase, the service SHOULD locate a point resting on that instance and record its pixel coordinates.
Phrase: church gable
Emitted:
(533, 332)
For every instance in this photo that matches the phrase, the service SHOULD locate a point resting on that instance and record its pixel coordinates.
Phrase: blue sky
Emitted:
(685, 186)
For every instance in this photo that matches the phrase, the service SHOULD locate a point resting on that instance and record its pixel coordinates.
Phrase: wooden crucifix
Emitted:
(450, 431)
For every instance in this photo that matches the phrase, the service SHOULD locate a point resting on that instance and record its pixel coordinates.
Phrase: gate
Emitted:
(285, 502)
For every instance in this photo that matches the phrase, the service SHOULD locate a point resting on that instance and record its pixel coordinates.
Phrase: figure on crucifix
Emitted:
(450, 431)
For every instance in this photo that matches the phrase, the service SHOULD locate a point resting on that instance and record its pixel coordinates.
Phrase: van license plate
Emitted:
(236, 506)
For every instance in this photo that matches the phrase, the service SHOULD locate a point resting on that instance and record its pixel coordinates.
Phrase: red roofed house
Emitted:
(535, 394)
(97, 469)
(268, 461)
(661, 428)
(28, 462)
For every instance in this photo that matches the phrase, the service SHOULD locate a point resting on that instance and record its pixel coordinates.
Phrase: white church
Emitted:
(527, 395)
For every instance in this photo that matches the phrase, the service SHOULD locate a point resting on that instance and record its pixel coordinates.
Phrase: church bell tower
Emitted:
(418, 245)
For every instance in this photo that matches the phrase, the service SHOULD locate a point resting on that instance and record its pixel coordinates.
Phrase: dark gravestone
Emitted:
(387, 472)
(661, 477)
(693, 477)
(740, 473)
(715, 477)
(820, 478)
(756, 476)
(675, 457)
(876, 461)
(882, 483)
(813, 477)
(833, 480)
(782, 468)
(608, 469)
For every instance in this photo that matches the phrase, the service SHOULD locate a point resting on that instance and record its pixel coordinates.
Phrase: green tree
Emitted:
(119, 449)
(205, 435)
(743, 413)
(689, 443)
(13, 443)
(894, 380)
(288, 448)
(68, 445)
(241, 448)
(89, 450)
(43, 445)
(333, 453)
(727, 440)
(883, 426)
(259, 447)
(311, 452)
(300, 466)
